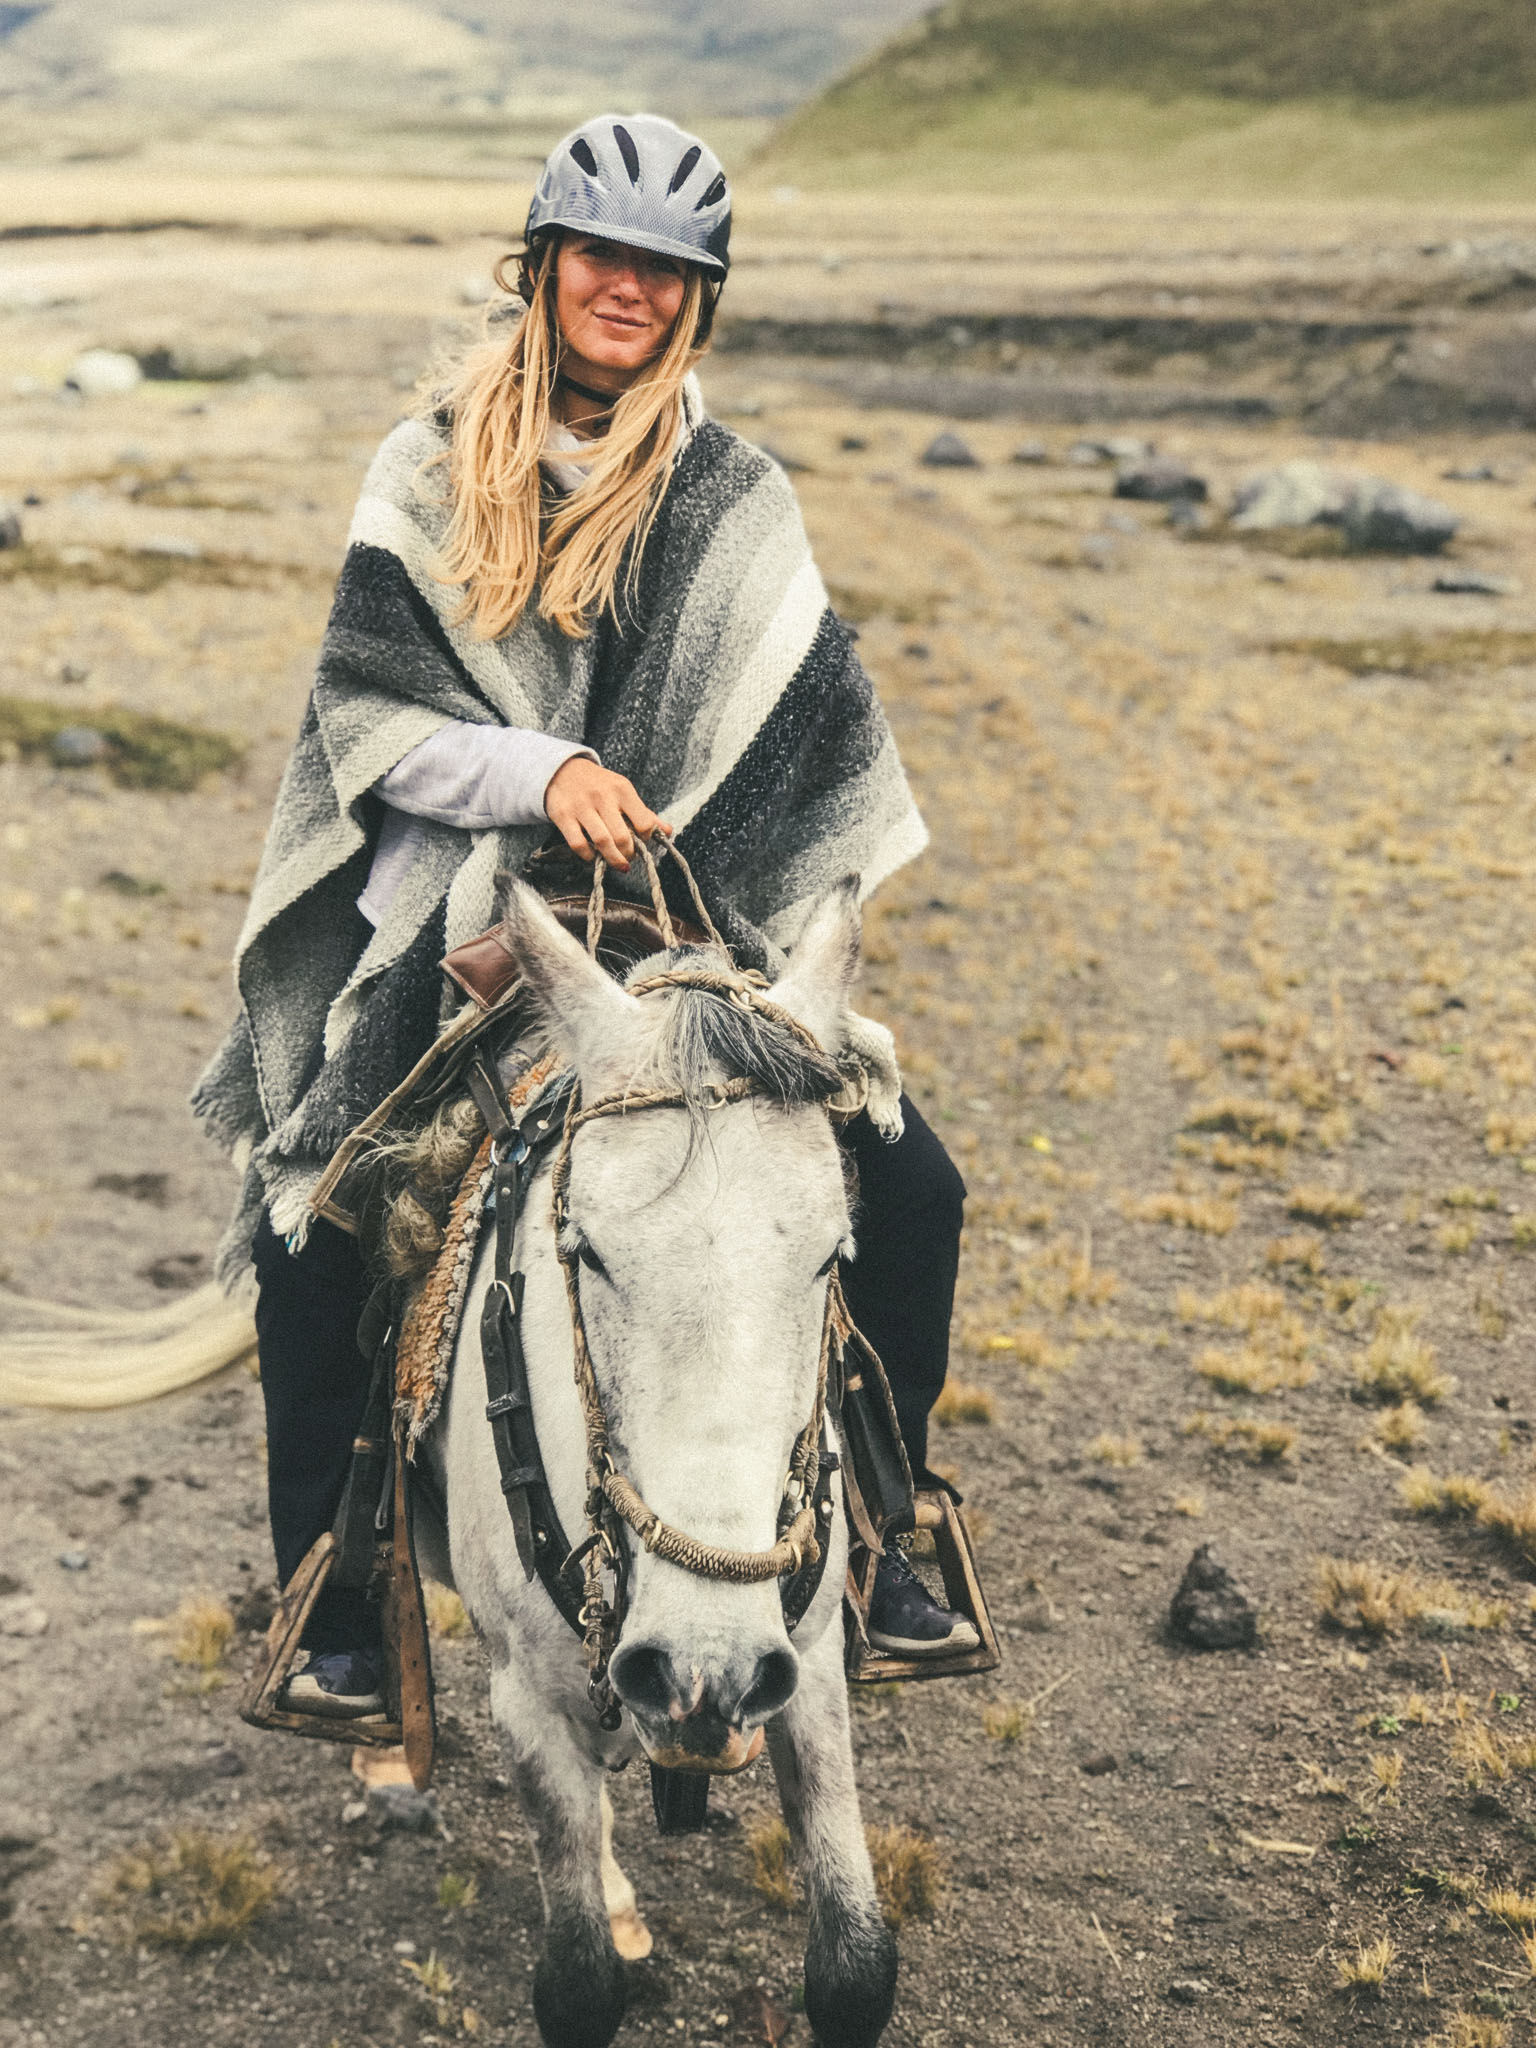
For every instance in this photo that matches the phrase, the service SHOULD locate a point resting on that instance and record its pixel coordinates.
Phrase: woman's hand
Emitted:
(599, 812)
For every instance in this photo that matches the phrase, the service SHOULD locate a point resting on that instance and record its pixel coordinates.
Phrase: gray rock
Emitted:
(1031, 451)
(403, 1809)
(10, 526)
(948, 451)
(1114, 448)
(1372, 513)
(1471, 583)
(1293, 494)
(1188, 517)
(1211, 1611)
(1396, 521)
(77, 746)
(169, 544)
(1160, 482)
(104, 373)
(1186, 1990)
(1473, 473)
(74, 1560)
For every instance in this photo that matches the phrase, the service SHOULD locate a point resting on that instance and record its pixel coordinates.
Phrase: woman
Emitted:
(568, 596)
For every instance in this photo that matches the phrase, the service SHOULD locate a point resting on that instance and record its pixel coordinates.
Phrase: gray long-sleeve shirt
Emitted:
(474, 776)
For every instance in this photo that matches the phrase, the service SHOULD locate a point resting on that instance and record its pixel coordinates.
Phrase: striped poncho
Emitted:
(730, 695)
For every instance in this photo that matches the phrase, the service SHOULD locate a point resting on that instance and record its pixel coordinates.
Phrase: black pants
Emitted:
(900, 1290)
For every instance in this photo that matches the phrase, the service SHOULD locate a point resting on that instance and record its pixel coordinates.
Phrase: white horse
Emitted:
(707, 1235)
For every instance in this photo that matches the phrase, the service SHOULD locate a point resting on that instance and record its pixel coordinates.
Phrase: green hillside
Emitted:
(1350, 97)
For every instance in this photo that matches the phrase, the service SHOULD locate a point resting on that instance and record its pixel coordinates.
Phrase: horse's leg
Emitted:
(579, 1985)
(631, 1936)
(850, 1959)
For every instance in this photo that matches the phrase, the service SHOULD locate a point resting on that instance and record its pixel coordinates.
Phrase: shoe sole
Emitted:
(303, 1696)
(962, 1638)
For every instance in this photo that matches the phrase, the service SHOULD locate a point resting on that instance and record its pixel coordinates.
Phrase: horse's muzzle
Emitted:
(703, 1723)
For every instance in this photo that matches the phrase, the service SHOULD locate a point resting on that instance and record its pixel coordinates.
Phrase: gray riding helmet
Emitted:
(642, 181)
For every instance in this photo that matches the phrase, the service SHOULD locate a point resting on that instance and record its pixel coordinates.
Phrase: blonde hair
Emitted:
(503, 541)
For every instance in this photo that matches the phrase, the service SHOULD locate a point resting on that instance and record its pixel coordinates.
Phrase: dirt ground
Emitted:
(1218, 980)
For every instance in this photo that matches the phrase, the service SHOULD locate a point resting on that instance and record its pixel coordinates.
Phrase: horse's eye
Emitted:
(591, 1261)
(828, 1263)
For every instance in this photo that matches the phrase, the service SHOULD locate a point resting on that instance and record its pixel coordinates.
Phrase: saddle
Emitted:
(372, 1542)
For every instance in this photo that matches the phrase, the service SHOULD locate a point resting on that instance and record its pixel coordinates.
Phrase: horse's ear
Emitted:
(587, 1015)
(814, 986)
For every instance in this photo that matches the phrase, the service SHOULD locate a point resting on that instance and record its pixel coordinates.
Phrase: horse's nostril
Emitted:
(773, 1685)
(644, 1679)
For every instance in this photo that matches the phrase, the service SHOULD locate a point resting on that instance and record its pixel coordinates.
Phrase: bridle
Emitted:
(798, 1555)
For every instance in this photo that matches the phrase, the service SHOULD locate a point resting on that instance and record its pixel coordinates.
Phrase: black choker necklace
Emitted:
(606, 399)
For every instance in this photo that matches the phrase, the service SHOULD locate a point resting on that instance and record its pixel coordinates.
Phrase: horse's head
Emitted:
(703, 1233)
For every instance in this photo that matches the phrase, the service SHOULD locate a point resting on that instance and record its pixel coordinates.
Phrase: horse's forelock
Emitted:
(703, 1039)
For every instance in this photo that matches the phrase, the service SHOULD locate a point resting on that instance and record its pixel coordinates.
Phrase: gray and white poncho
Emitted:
(728, 693)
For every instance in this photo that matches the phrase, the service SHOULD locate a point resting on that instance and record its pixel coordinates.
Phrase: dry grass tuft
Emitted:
(1470, 1198)
(1400, 1428)
(447, 1616)
(1515, 1908)
(1457, 1238)
(1260, 1123)
(1472, 2030)
(1361, 1597)
(1261, 1443)
(190, 1891)
(198, 1638)
(1008, 1721)
(1107, 1449)
(772, 1872)
(1214, 1215)
(1457, 1497)
(1299, 1250)
(909, 1873)
(1191, 1505)
(1509, 1519)
(457, 1893)
(1364, 1973)
(1253, 1371)
(960, 1403)
(1504, 1133)
(1399, 1365)
(1326, 1207)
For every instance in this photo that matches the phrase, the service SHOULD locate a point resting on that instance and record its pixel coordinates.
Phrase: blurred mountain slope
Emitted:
(1324, 96)
(398, 59)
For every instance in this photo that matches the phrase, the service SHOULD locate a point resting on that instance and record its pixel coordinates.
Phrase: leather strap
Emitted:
(418, 1719)
(542, 1545)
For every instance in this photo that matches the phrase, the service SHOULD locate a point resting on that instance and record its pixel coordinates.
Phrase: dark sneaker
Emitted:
(341, 1683)
(906, 1620)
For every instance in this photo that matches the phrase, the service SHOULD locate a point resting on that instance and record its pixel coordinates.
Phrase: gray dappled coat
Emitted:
(729, 693)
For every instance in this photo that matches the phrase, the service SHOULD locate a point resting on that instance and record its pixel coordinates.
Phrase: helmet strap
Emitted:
(606, 399)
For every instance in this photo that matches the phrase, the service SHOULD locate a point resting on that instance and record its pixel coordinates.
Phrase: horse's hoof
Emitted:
(631, 1937)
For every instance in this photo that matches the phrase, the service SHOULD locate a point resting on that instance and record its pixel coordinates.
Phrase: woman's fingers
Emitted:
(599, 812)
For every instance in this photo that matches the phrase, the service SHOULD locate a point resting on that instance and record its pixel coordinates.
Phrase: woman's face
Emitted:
(615, 306)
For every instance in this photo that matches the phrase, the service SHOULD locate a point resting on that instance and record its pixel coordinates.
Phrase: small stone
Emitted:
(1160, 482)
(1099, 1765)
(74, 1560)
(948, 451)
(354, 1811)
(22, 1616)
(1210, 1610)
(474, 291)
(853, 444)
(1396, 521)
(403, 1809)
(1471, 583)
(405, 1948)
(1032, 452)
(104, 373)
(1472, 473)
(1186, 516)
(1115, 448)
(10, 527)
(1186, 1990)
(175, 1269)
(224, 1762)
(77, 746)
(73, 672)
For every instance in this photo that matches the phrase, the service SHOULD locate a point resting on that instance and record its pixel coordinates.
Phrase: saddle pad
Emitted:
(430, 1326)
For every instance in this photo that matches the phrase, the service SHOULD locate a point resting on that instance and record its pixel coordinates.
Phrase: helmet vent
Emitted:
(714, 194)
(581, 149)
(685, 166)
(628, 151)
